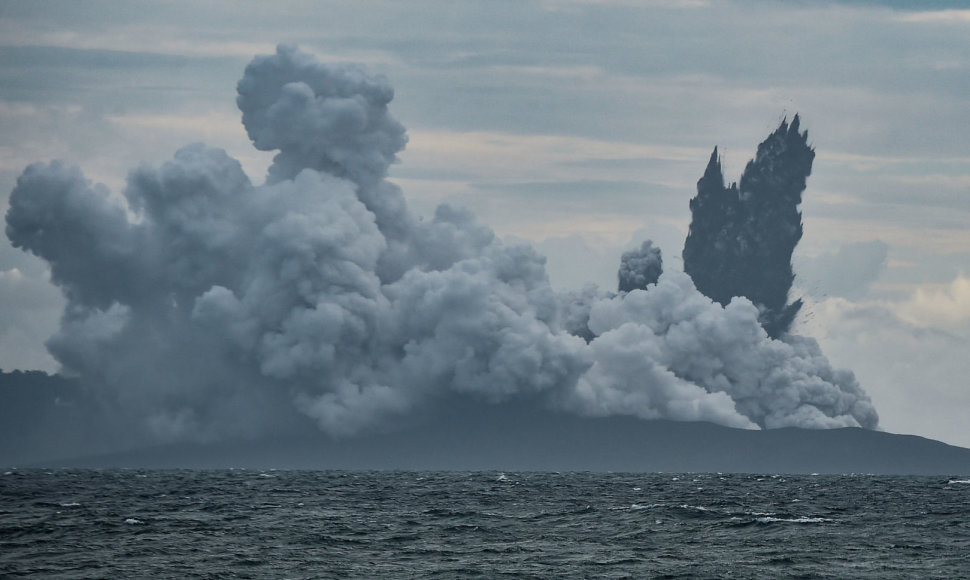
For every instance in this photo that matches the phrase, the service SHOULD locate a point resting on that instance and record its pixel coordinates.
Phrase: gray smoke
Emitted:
(741, 238)
(202, 306)
(639, 268)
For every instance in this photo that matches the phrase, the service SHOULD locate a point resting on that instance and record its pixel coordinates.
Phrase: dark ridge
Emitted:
(529, 438)
(44, 416)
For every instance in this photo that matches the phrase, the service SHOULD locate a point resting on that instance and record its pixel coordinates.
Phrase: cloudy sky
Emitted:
(580, 126)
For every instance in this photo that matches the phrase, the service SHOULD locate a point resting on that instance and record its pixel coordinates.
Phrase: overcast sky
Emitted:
(581, 126)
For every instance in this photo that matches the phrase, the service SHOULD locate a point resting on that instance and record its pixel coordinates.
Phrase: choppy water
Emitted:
(292, 524)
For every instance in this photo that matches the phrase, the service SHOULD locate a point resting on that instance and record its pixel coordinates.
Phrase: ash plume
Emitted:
(639, 268)
(203, 306)
(741, 237)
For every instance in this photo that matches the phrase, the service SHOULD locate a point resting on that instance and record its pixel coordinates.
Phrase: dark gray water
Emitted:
(304, 524)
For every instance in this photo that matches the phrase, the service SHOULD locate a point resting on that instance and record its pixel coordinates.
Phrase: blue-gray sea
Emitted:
(323, 524)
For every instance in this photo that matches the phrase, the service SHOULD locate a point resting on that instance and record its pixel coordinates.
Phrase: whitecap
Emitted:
(70, 504)
(699, 508)
(952, 481)
(133, 522)
(805, 520)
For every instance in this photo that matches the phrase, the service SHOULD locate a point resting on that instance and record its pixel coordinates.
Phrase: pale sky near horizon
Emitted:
(581, 126)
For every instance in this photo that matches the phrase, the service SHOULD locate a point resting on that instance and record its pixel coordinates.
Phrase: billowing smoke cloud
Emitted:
(639, 268)
(741, 238)
(202, 306)
(697, 355)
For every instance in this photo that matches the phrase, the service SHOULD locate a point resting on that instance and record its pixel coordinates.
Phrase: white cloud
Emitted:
(910, 355)
(945, 306)
(848, 273)
(961, 17)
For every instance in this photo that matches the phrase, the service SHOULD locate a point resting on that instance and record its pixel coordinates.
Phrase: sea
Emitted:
(69, 523)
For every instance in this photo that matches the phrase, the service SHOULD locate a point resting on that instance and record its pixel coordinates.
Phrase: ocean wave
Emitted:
(802, 520)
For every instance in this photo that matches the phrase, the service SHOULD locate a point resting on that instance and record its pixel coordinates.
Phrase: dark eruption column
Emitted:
(741, 238)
